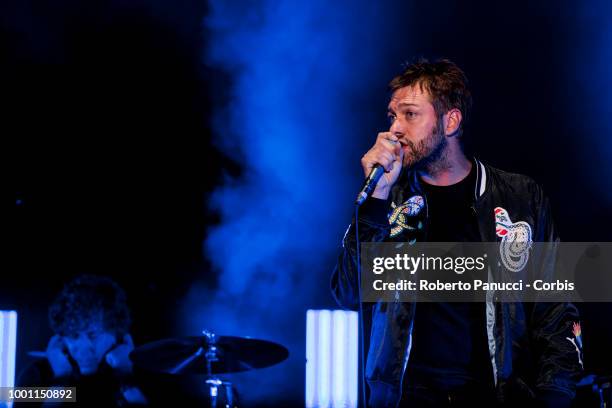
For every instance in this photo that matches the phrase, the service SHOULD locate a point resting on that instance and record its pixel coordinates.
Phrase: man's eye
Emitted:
(391, 118)
(410, 115)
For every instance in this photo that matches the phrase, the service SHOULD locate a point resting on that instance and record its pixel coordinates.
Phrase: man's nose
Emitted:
(396, 128)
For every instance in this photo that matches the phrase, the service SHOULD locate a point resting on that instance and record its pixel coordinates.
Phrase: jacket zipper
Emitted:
(399, 400)
(492, 353)
(425, 230)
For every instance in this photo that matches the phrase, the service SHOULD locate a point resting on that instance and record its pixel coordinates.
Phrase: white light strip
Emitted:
(352, 359)
(323, 360)
(3, 350)
(339, 378)
(331, 359)
(311, 349)
(8, 348)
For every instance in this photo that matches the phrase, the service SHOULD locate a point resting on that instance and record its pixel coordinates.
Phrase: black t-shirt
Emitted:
(449, 348)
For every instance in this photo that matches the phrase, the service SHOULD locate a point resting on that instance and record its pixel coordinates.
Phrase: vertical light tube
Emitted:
(324, 359)
(352, 360)
(8, 348)
(331, 359)
(339, 377)
(311, 358)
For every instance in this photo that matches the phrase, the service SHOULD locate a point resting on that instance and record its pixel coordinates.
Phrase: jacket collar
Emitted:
(480, 186)
(481, 179)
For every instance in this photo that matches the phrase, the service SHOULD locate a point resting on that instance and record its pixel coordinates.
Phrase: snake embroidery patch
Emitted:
(516, 240)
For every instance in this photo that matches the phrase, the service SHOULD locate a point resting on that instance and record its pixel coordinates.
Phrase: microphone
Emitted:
(370, 184)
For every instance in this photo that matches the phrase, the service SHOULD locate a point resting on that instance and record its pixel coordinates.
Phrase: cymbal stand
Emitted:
(213, 383)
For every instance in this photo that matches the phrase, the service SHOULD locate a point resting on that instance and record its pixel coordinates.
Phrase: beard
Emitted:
(430, 152)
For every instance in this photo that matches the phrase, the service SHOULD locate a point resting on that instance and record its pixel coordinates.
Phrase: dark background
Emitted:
(112, 145)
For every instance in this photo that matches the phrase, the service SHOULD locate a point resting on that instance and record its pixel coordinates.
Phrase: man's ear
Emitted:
(452, 123)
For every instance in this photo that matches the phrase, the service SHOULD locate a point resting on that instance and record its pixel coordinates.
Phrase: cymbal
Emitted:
(191, 355)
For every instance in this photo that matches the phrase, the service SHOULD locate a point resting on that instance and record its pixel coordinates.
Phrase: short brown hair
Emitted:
(445, 82)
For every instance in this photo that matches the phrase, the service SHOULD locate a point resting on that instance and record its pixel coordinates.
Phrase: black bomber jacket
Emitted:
(535, 348)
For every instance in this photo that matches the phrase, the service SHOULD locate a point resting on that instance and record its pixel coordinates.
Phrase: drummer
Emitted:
(90, 347)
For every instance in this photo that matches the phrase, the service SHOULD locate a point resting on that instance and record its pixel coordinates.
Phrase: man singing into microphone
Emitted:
(453, 354)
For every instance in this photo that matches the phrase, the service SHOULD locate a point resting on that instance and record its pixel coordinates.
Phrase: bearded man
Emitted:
(453, 354)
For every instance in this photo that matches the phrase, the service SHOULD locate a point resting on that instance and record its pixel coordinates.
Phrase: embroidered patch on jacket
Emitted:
(516, 240)
(577, 341)
(410, 208)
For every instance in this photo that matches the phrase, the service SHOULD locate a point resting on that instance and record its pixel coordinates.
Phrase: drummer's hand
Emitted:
(119, 357)
(57, 354)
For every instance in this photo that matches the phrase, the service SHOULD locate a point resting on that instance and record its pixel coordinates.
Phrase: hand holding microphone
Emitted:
(382, 165)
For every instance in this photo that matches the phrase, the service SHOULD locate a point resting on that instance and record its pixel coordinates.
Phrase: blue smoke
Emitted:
(588, 102)
(306, 79)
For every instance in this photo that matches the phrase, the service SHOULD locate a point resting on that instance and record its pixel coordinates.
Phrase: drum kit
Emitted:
(209, 355)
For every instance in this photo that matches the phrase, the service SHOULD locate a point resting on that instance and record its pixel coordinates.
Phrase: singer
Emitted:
(454, 354)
